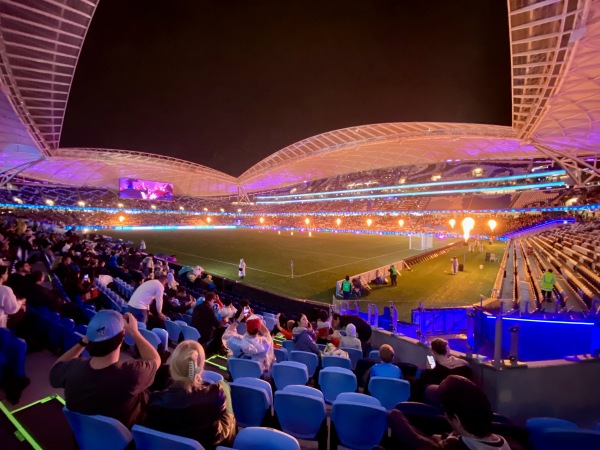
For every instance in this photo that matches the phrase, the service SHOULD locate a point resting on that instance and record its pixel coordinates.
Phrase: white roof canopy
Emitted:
(555, 95)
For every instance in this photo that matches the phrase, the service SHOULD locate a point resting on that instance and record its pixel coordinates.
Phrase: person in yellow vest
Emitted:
(547, 284)
(346, 288)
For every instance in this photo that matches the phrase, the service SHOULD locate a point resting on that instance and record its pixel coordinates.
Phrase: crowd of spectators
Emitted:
(172, 397)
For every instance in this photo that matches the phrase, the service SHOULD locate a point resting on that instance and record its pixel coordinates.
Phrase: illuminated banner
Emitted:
(145, 189)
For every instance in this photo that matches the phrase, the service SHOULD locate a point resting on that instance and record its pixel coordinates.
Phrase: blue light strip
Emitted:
(414, 194)
(514, 319)
(539, 225)
(340, 213)
(170, 227)
(553, 173)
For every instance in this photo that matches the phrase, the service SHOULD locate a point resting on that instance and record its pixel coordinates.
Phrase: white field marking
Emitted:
(407, 251)
(353, 262)
(228, 263)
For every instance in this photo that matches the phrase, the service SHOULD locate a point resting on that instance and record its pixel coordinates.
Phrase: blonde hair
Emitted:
(187, 363)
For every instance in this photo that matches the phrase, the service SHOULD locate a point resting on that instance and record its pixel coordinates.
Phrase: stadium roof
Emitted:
(555, 97)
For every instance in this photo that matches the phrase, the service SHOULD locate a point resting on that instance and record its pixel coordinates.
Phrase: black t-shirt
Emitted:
(118, 391)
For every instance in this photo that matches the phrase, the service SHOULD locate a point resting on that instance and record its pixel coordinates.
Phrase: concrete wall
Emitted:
(565, 389)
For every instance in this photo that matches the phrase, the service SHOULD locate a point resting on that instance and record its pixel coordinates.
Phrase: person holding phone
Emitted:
(444, 365)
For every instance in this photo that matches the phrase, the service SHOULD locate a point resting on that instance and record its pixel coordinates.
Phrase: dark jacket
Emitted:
(204, 414)
(205, 321)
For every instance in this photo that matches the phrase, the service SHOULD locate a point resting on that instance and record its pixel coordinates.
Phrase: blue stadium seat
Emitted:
(358, 426)
(148, 439)
(190, 333)
(354, 355)
(151, 337)
(335, 380)
(336, 361)
(374, 354)
(257, 438)
(281, 354)
(309, 359)
(174, 330)
(288, 344)
(270, 322)
(301, 414)
(239, 368)
(289, 372)
(560, 439)
(356, 397)
(538, 425)
(208, 376)
(389, 391)
(251, 402)
(164, 338)
(98, 432)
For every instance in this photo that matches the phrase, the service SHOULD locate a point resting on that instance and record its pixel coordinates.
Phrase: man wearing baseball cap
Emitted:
(103, 384)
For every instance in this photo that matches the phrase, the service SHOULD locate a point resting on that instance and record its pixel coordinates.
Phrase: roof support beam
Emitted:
(9, 173)
(579, 169)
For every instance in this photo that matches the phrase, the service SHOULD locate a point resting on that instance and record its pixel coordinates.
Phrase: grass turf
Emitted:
(321, 260)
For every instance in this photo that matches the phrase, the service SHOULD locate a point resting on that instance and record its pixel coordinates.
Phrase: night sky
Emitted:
(226, 83)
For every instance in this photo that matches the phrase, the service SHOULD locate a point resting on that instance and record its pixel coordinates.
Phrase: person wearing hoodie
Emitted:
(303, 337)
(350, 340)
(469, 413)
(256, 344)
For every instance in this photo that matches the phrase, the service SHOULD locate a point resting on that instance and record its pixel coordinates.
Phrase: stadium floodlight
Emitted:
(205, 209)
(239, 210)
(153, 206)
(222, 210)
(467, 225)
(452, 222)
(310, 234)
(338, 221)
(307, 221)
(401, 223)
(181, 208)
(262, 220)
(492, 223)
(120, 205)
(369, 222)
(49, 202)
(81, 203)
(121, 219)
(208, 220)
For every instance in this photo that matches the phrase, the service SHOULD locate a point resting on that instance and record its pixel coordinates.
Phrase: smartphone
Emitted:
(430, 362)
(246, 311)
(86, 277)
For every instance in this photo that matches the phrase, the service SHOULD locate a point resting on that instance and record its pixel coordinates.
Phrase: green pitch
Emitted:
(322, 259)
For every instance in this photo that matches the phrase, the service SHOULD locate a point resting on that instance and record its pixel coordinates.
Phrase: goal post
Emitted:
(420, 241)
